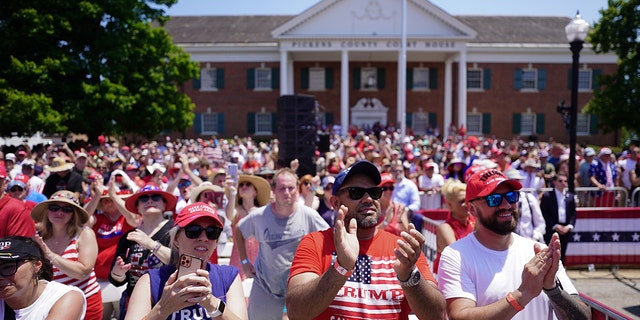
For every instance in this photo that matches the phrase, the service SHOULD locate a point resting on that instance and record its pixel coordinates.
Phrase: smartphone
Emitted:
(189, 264)
(232, 171)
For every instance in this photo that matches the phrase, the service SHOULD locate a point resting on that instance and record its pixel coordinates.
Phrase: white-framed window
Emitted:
(263, 79)
(474, 123)
(369, 78)
(583, 126)
(420, 79)
(263, 124)
(584, 80)
(528, 124)
(210, 123)
(208, 79)
(530, 79)
(474, 79)
(317, 79)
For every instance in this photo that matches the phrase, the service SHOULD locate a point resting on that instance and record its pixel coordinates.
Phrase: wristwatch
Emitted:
(413, 280)
(218, 311)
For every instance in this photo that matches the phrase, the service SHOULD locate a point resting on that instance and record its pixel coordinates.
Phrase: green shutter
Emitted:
(355, 78)
(516, 123)
(304, 78)
(197, 123)
(328, 118)
(251, 78)
(220, 123)
(409, 78)
(220, 78)
(328, 78)
(486, 123)
(433, 78)
(381, 74)
(275, 78)
(433, 120)
(517, 79)
(409, 119)
(540, 123)
(274, 122)
(593, 124)
(486, 78)
(595, 79)
(196, 83)
(251, 122)
(542, 79)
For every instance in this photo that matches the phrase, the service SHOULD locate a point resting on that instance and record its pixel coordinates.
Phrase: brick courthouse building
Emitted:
(345, 53)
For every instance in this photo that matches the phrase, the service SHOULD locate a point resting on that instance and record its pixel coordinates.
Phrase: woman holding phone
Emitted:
(179, 291)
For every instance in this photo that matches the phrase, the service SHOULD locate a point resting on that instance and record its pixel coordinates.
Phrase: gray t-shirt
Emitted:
(279, 239)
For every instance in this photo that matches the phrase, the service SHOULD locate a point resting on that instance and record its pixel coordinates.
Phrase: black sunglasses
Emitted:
(65, 209)
(243, 184)
(16, 189)
(194, 231)
(10, 268)
(356, 193)
(390, 188)
(146, 197)
(495, 199)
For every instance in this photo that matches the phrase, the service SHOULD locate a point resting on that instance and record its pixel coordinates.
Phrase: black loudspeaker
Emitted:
(297, 131)
(323, 142)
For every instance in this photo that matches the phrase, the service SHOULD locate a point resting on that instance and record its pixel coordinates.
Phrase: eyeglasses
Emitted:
(356, 193)
(184, 184)
(194, 231)
(562, 180)
(269, 176)
(390, 188)
(154, 197)
(328, 187)
(495, 199)
(16, 189)
(10, 268)
(244, 184)
(65, 209)
(307, 184)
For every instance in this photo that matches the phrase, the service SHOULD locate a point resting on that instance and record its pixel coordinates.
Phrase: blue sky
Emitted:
(588, 8)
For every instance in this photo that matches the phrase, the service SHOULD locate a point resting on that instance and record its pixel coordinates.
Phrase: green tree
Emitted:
(91, 66)
(618, 103)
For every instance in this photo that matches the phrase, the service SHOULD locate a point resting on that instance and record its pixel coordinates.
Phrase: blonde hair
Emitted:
(451, 189)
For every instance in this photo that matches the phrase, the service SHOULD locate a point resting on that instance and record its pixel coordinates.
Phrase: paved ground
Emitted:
(619, 290)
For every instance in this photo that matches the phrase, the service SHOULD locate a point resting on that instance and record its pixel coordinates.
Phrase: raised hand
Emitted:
(408, 251)
(346, 240)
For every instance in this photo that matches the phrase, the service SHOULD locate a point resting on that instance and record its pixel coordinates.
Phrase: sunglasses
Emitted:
(194, 231)
(244, 184)
(356, 193)
(16, 189)
(146, 197)
(390, 188)
(184, 184)
(10, 268)
(495, 199)
(65, 209)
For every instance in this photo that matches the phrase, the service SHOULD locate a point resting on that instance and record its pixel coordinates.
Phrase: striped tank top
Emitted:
(89, 285)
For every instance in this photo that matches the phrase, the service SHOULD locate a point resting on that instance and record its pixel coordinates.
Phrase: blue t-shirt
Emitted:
(221, 278)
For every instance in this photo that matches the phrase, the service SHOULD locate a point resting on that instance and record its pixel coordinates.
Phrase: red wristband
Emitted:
(514, 303)
(341, 270)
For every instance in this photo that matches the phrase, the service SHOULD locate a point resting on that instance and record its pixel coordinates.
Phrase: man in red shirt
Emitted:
(15, 218)
(357, 271)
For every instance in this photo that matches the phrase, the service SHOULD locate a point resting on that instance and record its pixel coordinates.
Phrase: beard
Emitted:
(502, 228)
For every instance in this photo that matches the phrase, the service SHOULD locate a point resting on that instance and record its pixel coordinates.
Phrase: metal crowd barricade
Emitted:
(594, 197)
(635, 198)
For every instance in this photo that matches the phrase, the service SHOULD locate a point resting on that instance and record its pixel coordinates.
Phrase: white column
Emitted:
(448, 97)
(462, 88)
(402, 75)
(290, 73)
(284, 70)
(344, 92)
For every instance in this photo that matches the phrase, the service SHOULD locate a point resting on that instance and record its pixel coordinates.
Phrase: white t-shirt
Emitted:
(470, 270)
(39, 310)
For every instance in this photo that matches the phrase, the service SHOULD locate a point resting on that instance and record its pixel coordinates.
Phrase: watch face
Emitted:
(221, 307)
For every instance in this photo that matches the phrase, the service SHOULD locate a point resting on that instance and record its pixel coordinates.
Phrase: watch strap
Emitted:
(414, 279)
(219, 310)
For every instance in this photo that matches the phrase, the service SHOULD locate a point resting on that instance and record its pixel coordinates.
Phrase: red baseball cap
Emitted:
(196, 211)
(484, 182)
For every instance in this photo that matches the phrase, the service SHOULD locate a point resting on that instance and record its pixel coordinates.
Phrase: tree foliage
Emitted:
(91, 66)
(618, 31)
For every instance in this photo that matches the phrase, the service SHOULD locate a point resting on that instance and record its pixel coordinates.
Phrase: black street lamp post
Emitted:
(576, 32)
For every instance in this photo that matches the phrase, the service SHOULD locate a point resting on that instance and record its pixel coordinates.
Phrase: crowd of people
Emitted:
(118, 222)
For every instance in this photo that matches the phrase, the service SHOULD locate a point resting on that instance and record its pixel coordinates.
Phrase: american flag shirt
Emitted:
(372, 291)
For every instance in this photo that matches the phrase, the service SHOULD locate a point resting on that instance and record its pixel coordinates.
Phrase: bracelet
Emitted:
(514, 303)
(341, 270)
(156, 247)
(117, 275)
(245, 261)
(55, 258)
(553, 291)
